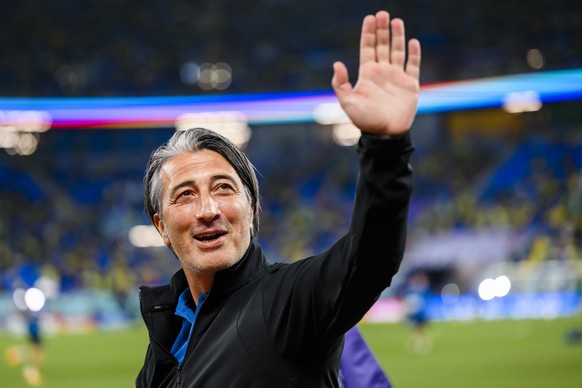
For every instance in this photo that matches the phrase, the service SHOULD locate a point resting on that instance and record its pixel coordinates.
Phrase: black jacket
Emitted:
(282, 325)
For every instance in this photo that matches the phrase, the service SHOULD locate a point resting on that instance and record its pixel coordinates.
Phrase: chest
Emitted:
(231, 347)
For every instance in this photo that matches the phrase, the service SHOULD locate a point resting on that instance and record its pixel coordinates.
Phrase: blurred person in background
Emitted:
(230, 318)
(31, 356)
(31, 287)
(123, 280)
(416, 298)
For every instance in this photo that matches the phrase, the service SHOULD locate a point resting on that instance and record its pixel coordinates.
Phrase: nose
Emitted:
(208, 209)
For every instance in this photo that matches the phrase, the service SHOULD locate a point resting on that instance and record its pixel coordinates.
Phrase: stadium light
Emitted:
(20, 129)
(494, 288)
(487, 289)
(34, 299)
(144, 236)
(502, 286)
(233, 125)
(346, 134)
(519, 102)
(18, 298)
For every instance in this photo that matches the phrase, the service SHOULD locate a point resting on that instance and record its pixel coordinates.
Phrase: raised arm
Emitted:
(331, 292)
(385, 96)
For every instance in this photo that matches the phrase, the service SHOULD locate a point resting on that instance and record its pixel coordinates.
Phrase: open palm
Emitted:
(385, 97)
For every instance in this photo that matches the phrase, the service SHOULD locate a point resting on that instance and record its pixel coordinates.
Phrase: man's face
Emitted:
(207, 216)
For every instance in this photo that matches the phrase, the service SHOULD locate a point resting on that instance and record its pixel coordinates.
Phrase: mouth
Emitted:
(209, 237)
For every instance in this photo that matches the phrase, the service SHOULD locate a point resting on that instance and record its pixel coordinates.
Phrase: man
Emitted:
(416, 299)
(229, 318)
(30, 356)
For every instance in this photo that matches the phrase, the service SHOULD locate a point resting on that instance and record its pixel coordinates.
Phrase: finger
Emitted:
(414, 56)
(368, 40)
(340, 81)
(397, 47)
(382, 36)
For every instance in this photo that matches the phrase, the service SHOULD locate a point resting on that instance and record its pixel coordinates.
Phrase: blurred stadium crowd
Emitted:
(129, 47)
(67, 209)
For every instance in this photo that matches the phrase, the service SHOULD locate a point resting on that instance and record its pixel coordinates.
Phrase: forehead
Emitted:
(196, 166)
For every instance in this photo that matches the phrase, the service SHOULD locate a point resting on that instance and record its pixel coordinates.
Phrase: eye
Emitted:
(186, 193)
(224, 187)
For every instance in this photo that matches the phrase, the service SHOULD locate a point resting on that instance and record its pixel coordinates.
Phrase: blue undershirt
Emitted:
(185, 311)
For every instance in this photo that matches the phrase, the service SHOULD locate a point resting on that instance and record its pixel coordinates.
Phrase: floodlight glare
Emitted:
(34, 299)
(487, 289)
(502, 286)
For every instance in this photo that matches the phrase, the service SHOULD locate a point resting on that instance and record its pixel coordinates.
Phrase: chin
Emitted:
(210, 267)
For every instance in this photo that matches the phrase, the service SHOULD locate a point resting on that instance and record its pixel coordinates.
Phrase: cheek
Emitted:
(178, 219)
(239, 212)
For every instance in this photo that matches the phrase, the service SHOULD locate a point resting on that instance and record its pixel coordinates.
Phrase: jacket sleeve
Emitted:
(376, 240)
(318, 299)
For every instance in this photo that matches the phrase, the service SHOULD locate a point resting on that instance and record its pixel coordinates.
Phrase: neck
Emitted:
(199, 284)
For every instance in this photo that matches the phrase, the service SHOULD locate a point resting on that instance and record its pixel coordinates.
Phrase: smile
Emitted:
(209, 236)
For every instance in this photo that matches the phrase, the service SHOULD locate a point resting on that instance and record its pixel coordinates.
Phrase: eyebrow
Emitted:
(179, 186)
(191, 182)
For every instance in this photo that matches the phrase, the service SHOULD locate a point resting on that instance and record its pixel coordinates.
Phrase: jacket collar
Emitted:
(159, 298)
(230, 279)
(244, 271)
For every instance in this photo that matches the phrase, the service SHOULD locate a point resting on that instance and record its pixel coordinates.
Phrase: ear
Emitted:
(161, 227)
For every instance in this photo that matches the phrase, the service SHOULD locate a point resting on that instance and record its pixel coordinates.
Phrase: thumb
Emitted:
(340, 81)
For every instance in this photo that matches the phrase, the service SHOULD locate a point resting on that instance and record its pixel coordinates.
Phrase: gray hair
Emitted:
(194, 140)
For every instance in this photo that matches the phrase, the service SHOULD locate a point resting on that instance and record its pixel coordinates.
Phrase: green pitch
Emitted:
(512, 354)
(500, 354)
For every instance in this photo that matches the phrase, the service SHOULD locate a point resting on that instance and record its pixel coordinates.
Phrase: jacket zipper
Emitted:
(159, 308)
